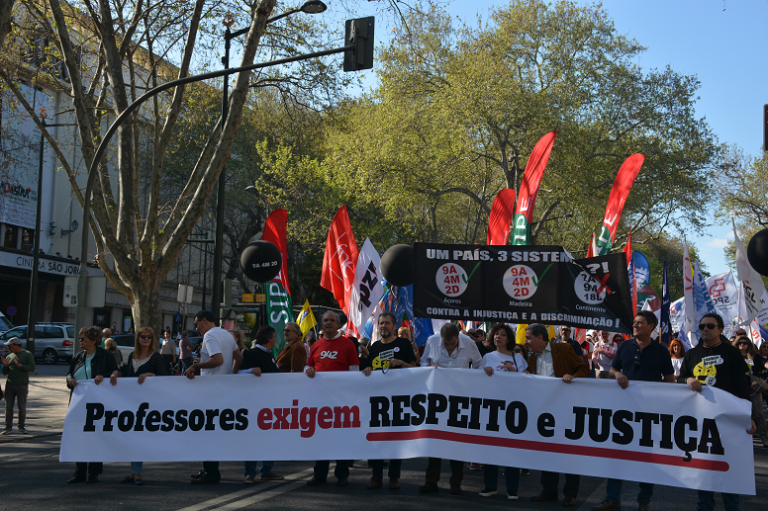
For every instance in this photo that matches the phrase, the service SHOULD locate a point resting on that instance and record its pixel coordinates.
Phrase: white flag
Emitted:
(657, 313)
(749, 280)
(366, 290)
(677, 314)
(754, 333)
(690, 304)
(725, 294)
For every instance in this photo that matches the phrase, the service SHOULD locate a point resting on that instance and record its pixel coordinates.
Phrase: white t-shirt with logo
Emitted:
(217, 340)
(495, 360)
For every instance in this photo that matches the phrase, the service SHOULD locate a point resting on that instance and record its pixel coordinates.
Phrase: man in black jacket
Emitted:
(259, 360)
(716, 363)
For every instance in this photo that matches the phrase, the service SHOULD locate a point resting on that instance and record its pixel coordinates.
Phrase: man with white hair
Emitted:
(332, 352)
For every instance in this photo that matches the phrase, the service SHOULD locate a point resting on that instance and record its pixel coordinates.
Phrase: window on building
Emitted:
(27, 239)
(10, 236)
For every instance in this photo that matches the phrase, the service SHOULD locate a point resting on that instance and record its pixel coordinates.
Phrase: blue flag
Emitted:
(422, 330)
(665, 303)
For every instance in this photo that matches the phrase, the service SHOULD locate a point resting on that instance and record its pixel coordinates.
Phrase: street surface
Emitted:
(31, 478)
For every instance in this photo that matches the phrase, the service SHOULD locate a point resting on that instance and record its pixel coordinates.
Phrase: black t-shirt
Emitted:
(757, 366)
(722, 366)
(482, 348)
(399, 348)
(655, 361)
(257, 357)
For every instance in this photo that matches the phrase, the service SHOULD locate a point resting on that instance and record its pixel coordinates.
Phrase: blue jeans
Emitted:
(136, 467)
(491, 477)
(707, 501)
(185, 363)
(266, 468)
(613, 492)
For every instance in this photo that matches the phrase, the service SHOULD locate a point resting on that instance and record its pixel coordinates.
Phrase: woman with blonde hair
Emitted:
(144, 362)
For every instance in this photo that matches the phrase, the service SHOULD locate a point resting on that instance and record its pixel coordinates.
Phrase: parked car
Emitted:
(125, 343)
(52, 340)
(5, 325)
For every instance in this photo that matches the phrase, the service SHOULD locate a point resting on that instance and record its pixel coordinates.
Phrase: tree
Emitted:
(458, 111)
(741, 189)
(126, 48)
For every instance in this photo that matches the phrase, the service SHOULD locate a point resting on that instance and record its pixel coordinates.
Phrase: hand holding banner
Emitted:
(652, 432)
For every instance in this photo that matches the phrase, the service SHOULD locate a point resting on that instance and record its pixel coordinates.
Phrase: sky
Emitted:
(722, 42)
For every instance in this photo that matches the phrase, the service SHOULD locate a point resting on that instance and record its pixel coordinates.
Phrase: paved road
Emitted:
(33, 479)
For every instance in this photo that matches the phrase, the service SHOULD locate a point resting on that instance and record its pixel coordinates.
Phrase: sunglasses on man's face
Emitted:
(711, 326)
(741, 333)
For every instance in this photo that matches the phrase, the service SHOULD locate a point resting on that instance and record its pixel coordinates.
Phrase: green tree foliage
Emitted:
(459, 109)
(742, 193)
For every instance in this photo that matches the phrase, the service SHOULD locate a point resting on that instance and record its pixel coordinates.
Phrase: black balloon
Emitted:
(757, 252)
(397, 265)
(261, 261)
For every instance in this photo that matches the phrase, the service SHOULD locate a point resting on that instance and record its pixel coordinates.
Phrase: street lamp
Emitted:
(31, 317)
(309, 7)
(350, 48)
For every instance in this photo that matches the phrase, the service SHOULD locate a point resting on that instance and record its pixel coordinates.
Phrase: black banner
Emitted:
(519, 284)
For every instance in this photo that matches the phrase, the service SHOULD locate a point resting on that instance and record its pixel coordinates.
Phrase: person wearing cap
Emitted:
(17, 366)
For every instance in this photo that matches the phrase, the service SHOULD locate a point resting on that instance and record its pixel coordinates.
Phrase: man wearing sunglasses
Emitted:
(716, 364)
(643, 360)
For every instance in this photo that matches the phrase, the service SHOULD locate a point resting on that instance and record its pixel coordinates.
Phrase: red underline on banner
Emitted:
(529, 445)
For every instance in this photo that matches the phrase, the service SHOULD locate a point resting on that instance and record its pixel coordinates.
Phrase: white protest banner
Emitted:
(366, 290)
(724, 292)
(655, 432)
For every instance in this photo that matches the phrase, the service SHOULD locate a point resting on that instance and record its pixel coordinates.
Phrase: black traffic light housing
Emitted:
(765, 127)
(359, 32)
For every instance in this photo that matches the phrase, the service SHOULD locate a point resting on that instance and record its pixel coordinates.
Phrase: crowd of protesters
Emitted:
(600, 354)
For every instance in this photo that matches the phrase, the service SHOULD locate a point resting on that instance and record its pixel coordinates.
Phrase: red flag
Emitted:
(275, 231)
(619, 193)
(501, 217)
(628, 251)
(340, 259)
(529, 188)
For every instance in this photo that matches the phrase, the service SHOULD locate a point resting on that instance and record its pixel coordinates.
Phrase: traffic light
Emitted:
(765, 124)
(359, 32)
